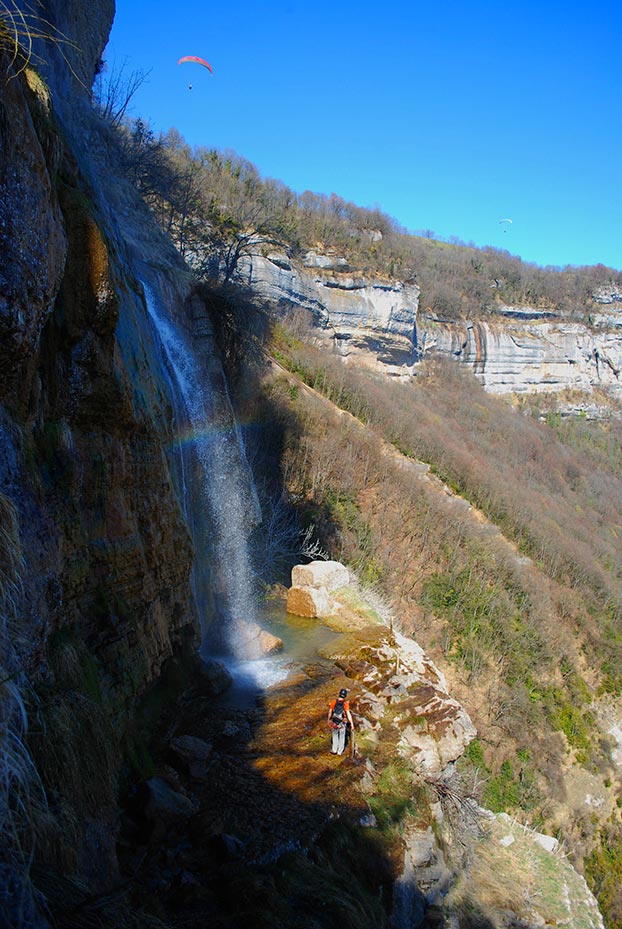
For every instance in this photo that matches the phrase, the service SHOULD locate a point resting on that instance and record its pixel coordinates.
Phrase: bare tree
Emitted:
(113, 91)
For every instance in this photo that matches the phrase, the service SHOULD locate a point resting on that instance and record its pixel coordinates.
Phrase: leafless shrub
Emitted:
(114, 89)
(462, 814)
(311, 547)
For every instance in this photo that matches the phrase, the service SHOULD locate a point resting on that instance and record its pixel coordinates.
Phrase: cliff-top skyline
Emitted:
(450, 118)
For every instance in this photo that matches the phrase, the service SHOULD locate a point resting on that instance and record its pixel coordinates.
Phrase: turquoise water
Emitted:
(301, 637)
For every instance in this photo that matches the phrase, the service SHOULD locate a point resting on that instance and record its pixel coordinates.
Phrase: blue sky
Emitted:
(447, 115)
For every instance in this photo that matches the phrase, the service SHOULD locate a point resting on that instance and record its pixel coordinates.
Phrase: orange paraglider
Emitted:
(196, 60)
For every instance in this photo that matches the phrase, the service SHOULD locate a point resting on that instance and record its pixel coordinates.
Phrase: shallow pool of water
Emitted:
(301, 638)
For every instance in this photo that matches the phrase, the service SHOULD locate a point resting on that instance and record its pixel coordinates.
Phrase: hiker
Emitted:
(340, 718)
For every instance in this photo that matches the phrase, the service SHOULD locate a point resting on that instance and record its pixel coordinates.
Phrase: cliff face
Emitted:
(370, 319)
(528, 350)
(82, 452)
(86, 418)
(378, 323)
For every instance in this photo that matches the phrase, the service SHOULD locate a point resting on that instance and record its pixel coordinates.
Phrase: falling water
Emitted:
(225, 485)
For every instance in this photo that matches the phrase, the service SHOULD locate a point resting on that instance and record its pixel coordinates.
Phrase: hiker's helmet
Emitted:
(343, 692)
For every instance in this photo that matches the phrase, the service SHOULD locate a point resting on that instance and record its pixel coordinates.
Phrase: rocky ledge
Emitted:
(369, 318)
(528, 350)
(376, 322)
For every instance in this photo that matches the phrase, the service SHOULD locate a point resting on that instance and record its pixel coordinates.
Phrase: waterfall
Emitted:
(224, 485)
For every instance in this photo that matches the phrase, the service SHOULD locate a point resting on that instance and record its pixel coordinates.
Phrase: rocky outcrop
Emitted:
(527, 350)
(368, 318)
(522, 349)
(432, 729)
(394, 671)
(375, 322)
(312, 586)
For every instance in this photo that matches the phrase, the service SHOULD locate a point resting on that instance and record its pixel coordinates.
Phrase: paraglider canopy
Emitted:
(505, 220)
(196, 60)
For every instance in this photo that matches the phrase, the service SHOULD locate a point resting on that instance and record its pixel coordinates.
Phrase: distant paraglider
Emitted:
(196, 60)
(505, 228)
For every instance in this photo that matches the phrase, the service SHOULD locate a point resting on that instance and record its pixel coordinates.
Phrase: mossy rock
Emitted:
(360, 643)
(353, 613)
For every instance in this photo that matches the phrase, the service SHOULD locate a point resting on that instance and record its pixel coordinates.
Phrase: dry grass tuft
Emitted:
(20, 28)
(21, 796)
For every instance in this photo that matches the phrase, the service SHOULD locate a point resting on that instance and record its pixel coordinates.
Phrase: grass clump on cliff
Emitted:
(603, 869)
(22, 800)
(394, 795)
(510, 871)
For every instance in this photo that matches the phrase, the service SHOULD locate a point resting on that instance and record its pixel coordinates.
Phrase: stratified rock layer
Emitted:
(369, 318)
(526, 350)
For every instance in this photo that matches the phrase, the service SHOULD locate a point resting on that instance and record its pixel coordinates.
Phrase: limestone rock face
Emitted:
(368, 318)
(432, 728)
(375, 323)
(527, 350)
(33, 244)
(69, 66)
(440, 731)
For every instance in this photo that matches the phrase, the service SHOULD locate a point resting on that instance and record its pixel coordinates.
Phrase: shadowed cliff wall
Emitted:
(87, 434)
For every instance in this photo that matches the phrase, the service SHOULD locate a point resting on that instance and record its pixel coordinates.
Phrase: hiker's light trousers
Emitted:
(338, 740)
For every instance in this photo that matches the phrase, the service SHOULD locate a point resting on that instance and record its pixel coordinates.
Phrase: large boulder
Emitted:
(215, 677)
(165, 809)
(194, 753)
(331, 575)
(308, 601)
(257, 642)
(312, 585)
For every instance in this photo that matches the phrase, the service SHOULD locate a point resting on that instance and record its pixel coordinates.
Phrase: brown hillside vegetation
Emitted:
(497, 544)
